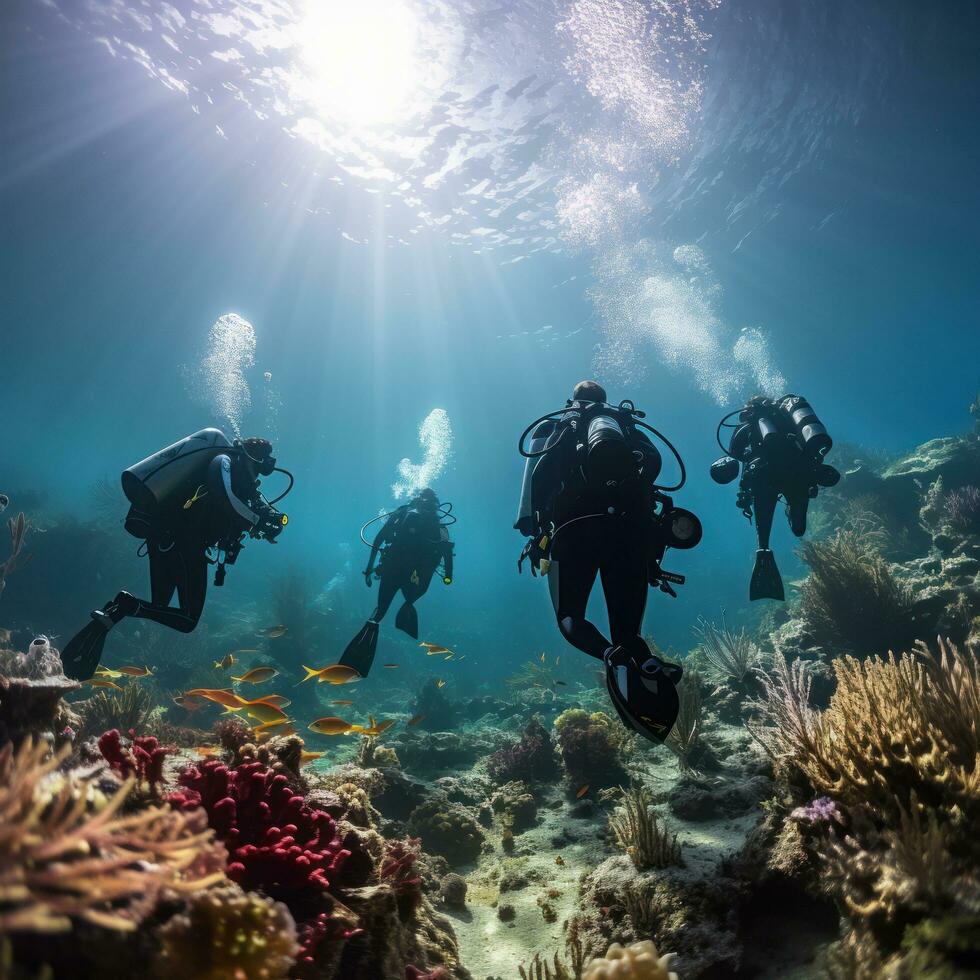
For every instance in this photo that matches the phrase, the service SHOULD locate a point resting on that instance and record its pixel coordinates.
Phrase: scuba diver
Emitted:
(780, 446)
(412, 543)
(591, 505)
(193, 503)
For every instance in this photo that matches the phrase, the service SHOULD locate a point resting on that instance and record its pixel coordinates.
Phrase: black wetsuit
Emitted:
(414, 543)
(600, 532)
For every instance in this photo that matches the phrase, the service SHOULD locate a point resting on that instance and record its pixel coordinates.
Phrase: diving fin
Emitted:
(407, 620)
(643, 693)
(766, 581)
(360, 651)
(83, 651)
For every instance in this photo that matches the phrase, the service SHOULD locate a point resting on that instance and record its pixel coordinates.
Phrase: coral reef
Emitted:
(639, 833)
(228, 934)
(61, 864)
(32, 688)
(447, 828)
(731, 654)
(640, 961)
(516, 806)
(531, 758)
(895, 759)
(590, 748)
(127, 710)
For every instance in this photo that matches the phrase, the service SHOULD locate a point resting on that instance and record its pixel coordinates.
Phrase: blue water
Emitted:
(473, 246)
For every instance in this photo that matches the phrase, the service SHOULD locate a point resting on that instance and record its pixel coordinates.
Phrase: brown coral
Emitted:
(60, 863)
(228, 934)
(639, 834)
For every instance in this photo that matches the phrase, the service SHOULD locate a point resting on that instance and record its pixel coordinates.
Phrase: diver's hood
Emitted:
(643, 691)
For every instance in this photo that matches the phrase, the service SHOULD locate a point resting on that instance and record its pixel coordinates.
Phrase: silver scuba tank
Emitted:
(810, 430)
(150, 483)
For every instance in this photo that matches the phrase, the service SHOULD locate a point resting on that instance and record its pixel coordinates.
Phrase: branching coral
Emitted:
(60, 863)
(276, 841)
(852, 599)
(589, 746)
(732, 654)
(127, 710)
(639, 833)
(684, 739)
(531, 758)
(142, 758)
(228, 934)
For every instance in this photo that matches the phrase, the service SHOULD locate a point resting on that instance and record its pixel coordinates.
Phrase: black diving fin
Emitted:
(407, 620)
(83, 651)
(766, 581)
(360, 651)
(643, 690)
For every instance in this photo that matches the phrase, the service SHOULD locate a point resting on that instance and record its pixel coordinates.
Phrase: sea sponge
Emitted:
(640, 961)
(448, 829)
(228, 934)
(589, 746)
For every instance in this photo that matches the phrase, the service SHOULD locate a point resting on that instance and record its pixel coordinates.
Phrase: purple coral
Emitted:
(530, 759)
(823, 810)
(963, 509)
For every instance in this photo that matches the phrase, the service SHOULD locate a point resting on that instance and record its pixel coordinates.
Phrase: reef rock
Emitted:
(447, 828)
(32, 686)
(516, 806)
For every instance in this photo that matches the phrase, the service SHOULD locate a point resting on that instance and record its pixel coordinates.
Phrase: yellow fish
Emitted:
(263, 711)
(334, 674)
(375, 727)
(433, 648)
(306, 757)
(267, 725)
(226, 698)
(228, 660)
(331, 726)
(102, 682)
(274, 632)
(206, 750)
(440, 683)
(257, 675)
(136, 671)
(542, 658)
(283, 732)
(188, 704)
(106, 672)
(341, 701)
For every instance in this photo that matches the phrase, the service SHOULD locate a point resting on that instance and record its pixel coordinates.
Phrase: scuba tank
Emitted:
(153, 483)
(810, 431)
(608, 457)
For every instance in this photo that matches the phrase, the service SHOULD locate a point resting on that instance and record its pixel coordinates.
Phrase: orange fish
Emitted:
(279, 700)
(415, 720)
(331, 726)
(228, 660)
(106, 672)
(283, 732)
(582, 791)
(188, 704)
(306, 757)
(206, 750)
(334, 674)
(341, 701)
(102, 682)
(375, 727)
(433, 648)
(267, 725)
(136, 671)
(257, 675)
(225, 697)
(440, 683)
(263, 712)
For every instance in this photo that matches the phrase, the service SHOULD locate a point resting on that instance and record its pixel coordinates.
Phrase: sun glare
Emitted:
(359, 58)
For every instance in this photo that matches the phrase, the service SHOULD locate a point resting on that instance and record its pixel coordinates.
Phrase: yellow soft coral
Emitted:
(640, 961)
(228, 934)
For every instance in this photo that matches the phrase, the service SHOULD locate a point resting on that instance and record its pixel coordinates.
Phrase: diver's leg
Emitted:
(570, 581)
(414, 588)
(183, 569)
(764, 506)
(625, 586)
(766, 582)
(797, 504)
(388, 586)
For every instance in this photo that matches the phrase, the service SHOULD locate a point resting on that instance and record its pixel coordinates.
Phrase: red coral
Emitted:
(276, 842)
(414, 973)
(315, 937)
(142, 758)
(398, 865)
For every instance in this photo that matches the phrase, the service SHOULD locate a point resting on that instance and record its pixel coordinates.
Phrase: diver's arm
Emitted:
(381, 538)
(447, 555)
(220, 471)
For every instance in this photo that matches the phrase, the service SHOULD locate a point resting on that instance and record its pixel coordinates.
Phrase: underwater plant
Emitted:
(61, 863)
(127, 710)
(685, 739)
(639, 834)
(852, 599)
(18, 526)
(962, 509)
(228, 934)
(732, 654)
